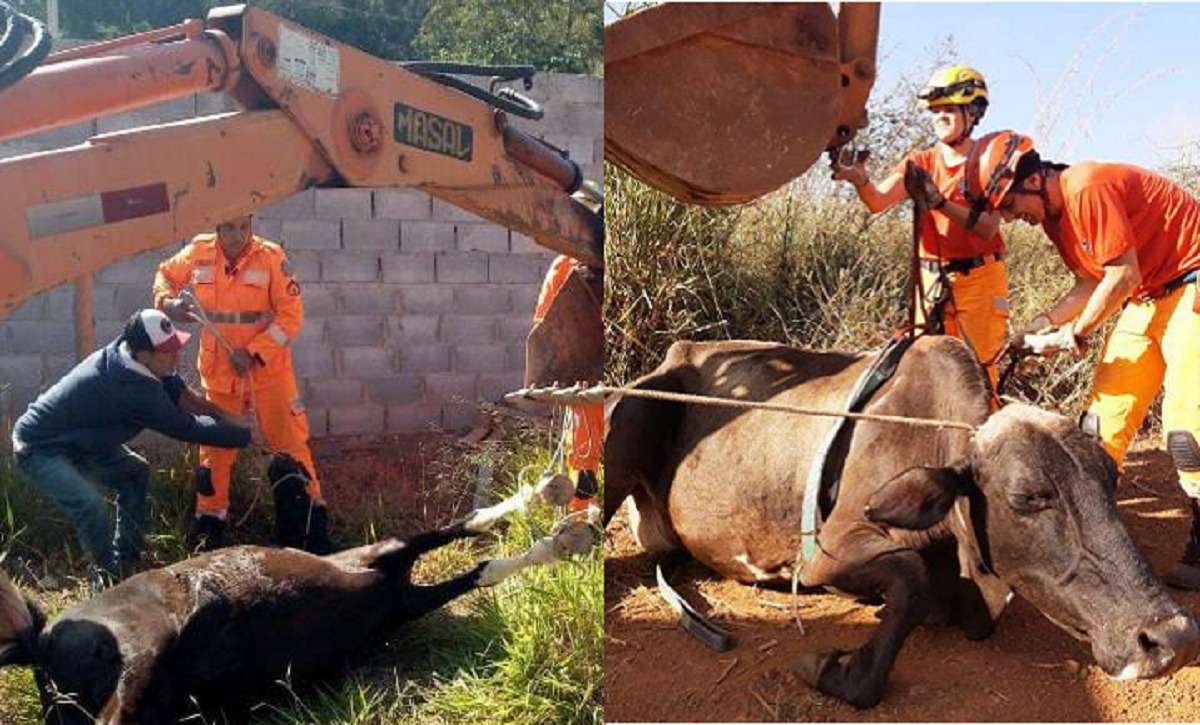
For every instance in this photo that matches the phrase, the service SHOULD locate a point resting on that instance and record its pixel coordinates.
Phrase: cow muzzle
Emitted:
(1159, 649)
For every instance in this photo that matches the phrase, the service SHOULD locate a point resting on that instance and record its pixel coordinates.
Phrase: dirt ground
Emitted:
(1029, 670)
(410, 476)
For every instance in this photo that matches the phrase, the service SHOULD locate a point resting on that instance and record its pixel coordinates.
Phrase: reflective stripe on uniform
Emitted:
(277, 334)
(202, 273)
(256, 277)
(239, 318)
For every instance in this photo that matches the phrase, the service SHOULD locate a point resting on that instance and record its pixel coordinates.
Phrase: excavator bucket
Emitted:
(567, 345)
(720, 103)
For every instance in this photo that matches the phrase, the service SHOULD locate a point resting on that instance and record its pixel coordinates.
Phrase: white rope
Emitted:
(579, 393)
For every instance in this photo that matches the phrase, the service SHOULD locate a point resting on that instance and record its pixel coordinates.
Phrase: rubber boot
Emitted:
(586, 488)
(317, 541)
(1186, 572)
(208, 533)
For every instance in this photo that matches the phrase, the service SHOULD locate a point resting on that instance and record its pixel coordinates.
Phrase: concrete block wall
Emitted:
(415, 309)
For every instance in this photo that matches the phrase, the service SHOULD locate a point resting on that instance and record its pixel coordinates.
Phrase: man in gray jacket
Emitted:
(77, 431)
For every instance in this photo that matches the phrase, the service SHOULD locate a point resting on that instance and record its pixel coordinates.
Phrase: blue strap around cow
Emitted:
(819, 477)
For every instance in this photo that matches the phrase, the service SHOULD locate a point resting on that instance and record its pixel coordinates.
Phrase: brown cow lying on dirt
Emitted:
(938, 523)
(222, 627)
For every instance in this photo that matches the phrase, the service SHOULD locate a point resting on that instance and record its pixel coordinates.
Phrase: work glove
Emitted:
(1058, 340)
(179, 310)
(928, 191)
(241, 361)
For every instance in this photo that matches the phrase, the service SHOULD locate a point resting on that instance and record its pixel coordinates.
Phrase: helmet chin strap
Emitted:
(970, 121)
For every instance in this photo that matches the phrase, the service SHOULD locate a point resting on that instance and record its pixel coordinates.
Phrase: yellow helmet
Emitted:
(958, 85)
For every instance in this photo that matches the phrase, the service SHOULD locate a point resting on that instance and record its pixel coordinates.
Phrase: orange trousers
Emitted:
(283, 422)
(587, 420)
(1155, 346)
(977, 311)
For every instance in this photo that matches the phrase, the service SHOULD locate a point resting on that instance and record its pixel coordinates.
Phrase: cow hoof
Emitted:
(1184, 576)
(554, 489)
(811, 665)
(976, 626)
(574, 537)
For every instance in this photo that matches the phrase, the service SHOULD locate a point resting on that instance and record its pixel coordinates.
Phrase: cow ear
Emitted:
(920, 497)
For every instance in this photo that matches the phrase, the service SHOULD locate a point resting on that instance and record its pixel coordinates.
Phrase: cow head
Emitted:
(1038, 493)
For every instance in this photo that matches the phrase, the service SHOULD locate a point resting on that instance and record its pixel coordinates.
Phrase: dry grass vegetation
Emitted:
(806, 265)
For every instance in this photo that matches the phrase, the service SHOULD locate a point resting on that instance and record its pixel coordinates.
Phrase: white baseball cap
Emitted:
(150, 329)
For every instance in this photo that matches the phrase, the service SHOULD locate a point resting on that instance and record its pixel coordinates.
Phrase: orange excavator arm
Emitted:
(316, 113)
(720, 103)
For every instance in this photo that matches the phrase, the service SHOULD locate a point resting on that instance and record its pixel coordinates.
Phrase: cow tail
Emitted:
(20, 624)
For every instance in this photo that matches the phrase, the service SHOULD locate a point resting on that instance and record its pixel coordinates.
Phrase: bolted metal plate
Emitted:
(719, 103)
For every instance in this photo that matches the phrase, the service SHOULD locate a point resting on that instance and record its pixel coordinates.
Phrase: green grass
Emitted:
(526, 651)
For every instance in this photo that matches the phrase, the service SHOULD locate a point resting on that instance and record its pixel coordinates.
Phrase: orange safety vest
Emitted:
(940, 235)
(254, 304)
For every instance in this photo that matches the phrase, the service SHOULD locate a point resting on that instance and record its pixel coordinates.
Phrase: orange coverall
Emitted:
(588, 419)
(1108, 210)
(978, 309)
(255, 305)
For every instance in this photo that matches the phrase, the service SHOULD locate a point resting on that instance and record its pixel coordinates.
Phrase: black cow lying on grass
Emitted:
(939, 524)
(222, 627)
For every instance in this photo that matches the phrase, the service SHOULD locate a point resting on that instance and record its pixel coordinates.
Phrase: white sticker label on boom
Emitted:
(308, 61)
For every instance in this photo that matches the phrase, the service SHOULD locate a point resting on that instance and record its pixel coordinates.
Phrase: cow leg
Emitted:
(395, 556)
(420, 600)
(955, 599)
(859, 677)
(571, 537)
(551, 490)
(574, 537)
(941, 560)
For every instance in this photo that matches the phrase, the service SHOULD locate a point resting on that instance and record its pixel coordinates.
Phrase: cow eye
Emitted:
(1031, 501)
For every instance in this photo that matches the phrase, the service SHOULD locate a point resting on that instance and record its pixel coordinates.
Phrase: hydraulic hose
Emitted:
(14, 63)
(505, 99)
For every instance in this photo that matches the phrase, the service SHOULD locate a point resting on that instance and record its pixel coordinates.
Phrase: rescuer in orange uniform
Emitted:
(1132, 240)
(247, 291)
(587, 419)
(959, 243)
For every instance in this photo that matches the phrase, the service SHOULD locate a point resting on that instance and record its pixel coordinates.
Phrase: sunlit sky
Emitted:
(1090, 81)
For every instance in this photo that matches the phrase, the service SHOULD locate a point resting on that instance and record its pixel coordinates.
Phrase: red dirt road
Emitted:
(1029, 670)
